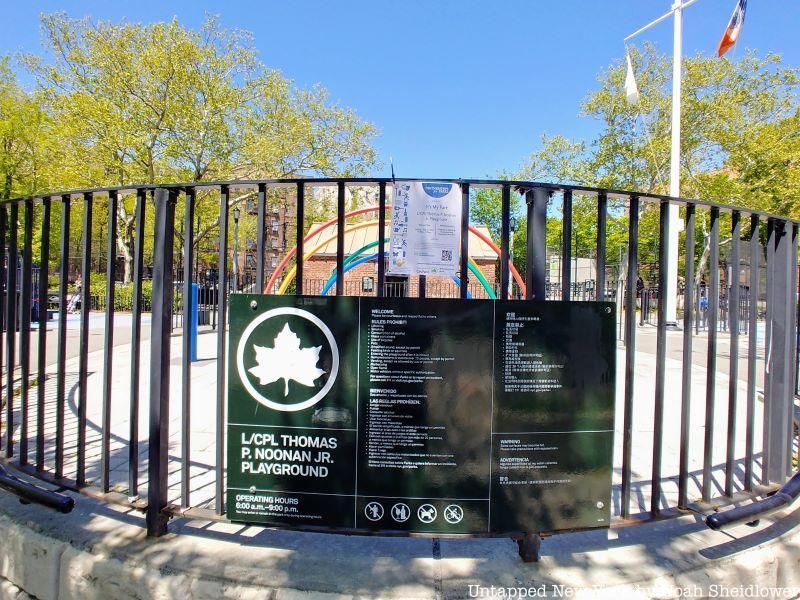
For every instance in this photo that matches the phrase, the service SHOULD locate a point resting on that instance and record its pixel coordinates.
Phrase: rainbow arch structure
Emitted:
(353, 261)
(373, 223)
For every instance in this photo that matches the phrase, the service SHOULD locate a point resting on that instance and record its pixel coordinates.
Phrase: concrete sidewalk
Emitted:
(203, 424)
(100, 550)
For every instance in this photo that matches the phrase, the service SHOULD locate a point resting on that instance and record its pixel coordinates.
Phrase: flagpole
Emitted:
(663, 17)
(671, 293)
(673, 216)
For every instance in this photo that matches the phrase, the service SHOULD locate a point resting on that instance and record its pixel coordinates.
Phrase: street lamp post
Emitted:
(197, 250)
(236, 214)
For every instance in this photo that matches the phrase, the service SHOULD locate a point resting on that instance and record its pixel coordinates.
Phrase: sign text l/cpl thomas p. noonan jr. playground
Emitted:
(420, 415)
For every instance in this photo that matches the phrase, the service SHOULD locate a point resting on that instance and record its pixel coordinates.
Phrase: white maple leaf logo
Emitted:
(287, 360)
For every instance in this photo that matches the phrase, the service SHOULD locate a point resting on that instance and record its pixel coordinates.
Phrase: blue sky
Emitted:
(457, 88)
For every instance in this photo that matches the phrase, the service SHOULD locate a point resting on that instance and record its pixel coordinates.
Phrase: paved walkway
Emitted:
(203, 424)
(419, 568)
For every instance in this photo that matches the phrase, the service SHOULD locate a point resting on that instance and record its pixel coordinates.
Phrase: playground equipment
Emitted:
(373, 223)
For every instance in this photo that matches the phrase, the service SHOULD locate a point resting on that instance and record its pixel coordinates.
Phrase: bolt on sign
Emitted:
(420, 415)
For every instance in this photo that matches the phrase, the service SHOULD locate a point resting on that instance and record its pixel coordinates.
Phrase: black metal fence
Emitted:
(47, 424)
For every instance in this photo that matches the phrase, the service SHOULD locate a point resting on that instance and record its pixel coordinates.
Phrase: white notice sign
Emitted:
(426, 228)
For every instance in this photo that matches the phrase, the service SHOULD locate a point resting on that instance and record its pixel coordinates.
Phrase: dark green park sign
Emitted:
(420, 415)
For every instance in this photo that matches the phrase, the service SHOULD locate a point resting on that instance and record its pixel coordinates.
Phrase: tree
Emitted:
(24, 135)
(740, 137)
(288, 131)
(161, 103)
(557, 160)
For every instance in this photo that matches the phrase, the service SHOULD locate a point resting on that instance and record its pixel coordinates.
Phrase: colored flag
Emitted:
(631, 89)
(734, 28)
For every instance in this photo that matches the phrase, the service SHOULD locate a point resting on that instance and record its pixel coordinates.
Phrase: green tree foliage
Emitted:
(740, 141)
(739, 119)
(133, 103)
(557, 160)
(25, 127)
(152, 103)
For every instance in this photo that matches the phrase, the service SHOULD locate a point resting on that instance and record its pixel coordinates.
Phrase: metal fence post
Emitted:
(159, 362)
(260, 235)
(136, 335)
(83, 360)
(11, 324)
(26, 287)
(189, 336)
(686, 373)
(340, 231)
(711, 361)
(3, 217)
(505, 243)
(771, 303)
(600, 268)
(537, 223)
(222, 311)
(733, 377)
(108, 352)
(463, 272)
(381, 239)
(44, 271)
(629, 298)
(752, 349)
(792, 306)
(661, 358)
(61, 382)
(300, 237)
(566, 246)
(778, 403)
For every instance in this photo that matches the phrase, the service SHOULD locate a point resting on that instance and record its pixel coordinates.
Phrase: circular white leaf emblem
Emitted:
(286, 360)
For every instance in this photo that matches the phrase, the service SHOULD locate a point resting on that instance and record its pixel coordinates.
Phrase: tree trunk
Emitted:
(199, 235)
(126, 242)
(702, 263)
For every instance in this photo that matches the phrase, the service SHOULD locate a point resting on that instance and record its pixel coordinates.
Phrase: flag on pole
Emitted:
(734, 28)
(631, 89)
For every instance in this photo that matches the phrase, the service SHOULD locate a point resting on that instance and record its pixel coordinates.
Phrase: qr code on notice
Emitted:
(447, 255)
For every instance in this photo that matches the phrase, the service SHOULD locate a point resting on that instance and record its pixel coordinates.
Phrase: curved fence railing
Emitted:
(101, 394)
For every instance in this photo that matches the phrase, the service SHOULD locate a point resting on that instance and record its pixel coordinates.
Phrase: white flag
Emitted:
(631, 89)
